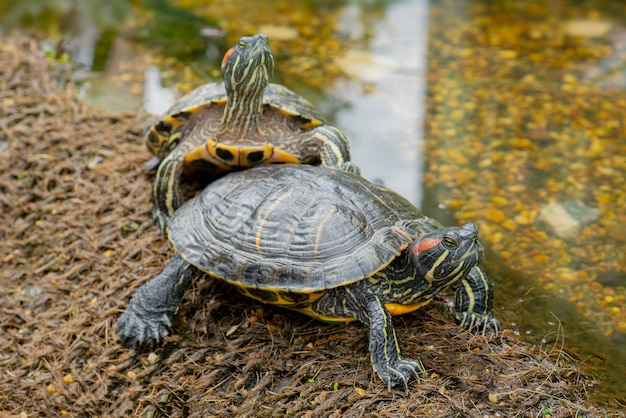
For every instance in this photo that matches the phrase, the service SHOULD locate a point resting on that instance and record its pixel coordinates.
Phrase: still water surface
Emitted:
(475, 111)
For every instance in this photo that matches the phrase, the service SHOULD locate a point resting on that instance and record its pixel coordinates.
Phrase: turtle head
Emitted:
(446, 255)
(248, 66)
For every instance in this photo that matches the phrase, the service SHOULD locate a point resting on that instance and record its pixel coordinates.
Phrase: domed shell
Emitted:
(276, 95)
(294, 227)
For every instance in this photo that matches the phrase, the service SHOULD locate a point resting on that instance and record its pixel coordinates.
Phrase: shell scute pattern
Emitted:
(292, 104)
(292, 231)
(194, 100)
(276, 96)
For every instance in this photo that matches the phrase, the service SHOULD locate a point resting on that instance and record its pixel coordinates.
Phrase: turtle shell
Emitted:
(296, 228)
(276, 96)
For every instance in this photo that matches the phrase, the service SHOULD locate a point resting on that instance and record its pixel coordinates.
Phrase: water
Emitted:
(525, 109)
(475, 111)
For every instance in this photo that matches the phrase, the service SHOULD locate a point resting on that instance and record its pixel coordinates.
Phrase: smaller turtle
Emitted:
(323, 242)
(242, 122)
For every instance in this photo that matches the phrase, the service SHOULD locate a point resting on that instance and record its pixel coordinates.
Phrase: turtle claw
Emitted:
(143, 329)
(150, 313)
(350, 167)
(161, 219)
(400, 373)
(473, 321)
(152, 164)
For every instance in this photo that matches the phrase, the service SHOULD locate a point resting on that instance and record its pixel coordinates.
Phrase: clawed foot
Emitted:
(161, 219)
(478, 322)
(400, 372)
(350, 167)
(152, 164)
(143, 329)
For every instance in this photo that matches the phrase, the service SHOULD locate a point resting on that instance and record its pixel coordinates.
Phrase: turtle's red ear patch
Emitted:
(425, 244)
(226, 55)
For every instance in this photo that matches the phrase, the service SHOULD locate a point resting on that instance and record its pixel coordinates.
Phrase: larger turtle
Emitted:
(242, 122)
(323, 242)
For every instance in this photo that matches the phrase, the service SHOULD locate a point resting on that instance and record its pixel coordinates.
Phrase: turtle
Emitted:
(238, 123)
(327, 243)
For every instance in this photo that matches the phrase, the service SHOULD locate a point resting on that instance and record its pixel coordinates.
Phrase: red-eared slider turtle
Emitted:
(242, 122)
(323, 242)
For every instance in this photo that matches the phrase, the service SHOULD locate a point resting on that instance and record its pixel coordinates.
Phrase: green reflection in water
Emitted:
(95, 25)
(66, 16)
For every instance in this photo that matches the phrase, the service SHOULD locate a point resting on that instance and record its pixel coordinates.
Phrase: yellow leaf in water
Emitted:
(494, 215)
(507, 54)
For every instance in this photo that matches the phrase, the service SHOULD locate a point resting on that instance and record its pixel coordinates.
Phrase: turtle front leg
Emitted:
(149, 315)
(388, 362)
(331, 145)
(166, 194)
(474, 301)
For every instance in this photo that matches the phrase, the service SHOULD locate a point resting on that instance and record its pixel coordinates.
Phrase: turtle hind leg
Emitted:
(149, 315)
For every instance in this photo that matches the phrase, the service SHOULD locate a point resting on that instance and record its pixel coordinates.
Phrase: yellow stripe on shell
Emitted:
(310, 123)
(270, 211)
(320, 229)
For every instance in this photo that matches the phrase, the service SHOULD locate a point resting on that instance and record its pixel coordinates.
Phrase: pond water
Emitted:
(500, 113)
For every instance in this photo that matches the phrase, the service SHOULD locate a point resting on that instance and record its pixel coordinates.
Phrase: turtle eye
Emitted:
(242, 44)
(449, 242)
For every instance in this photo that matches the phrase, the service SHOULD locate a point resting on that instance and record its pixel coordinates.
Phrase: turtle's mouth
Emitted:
(475, 251)
(258, 50)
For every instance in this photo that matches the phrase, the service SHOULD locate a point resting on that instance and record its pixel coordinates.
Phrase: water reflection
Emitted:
(85, 26)
(525, 112)
(386, 91)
